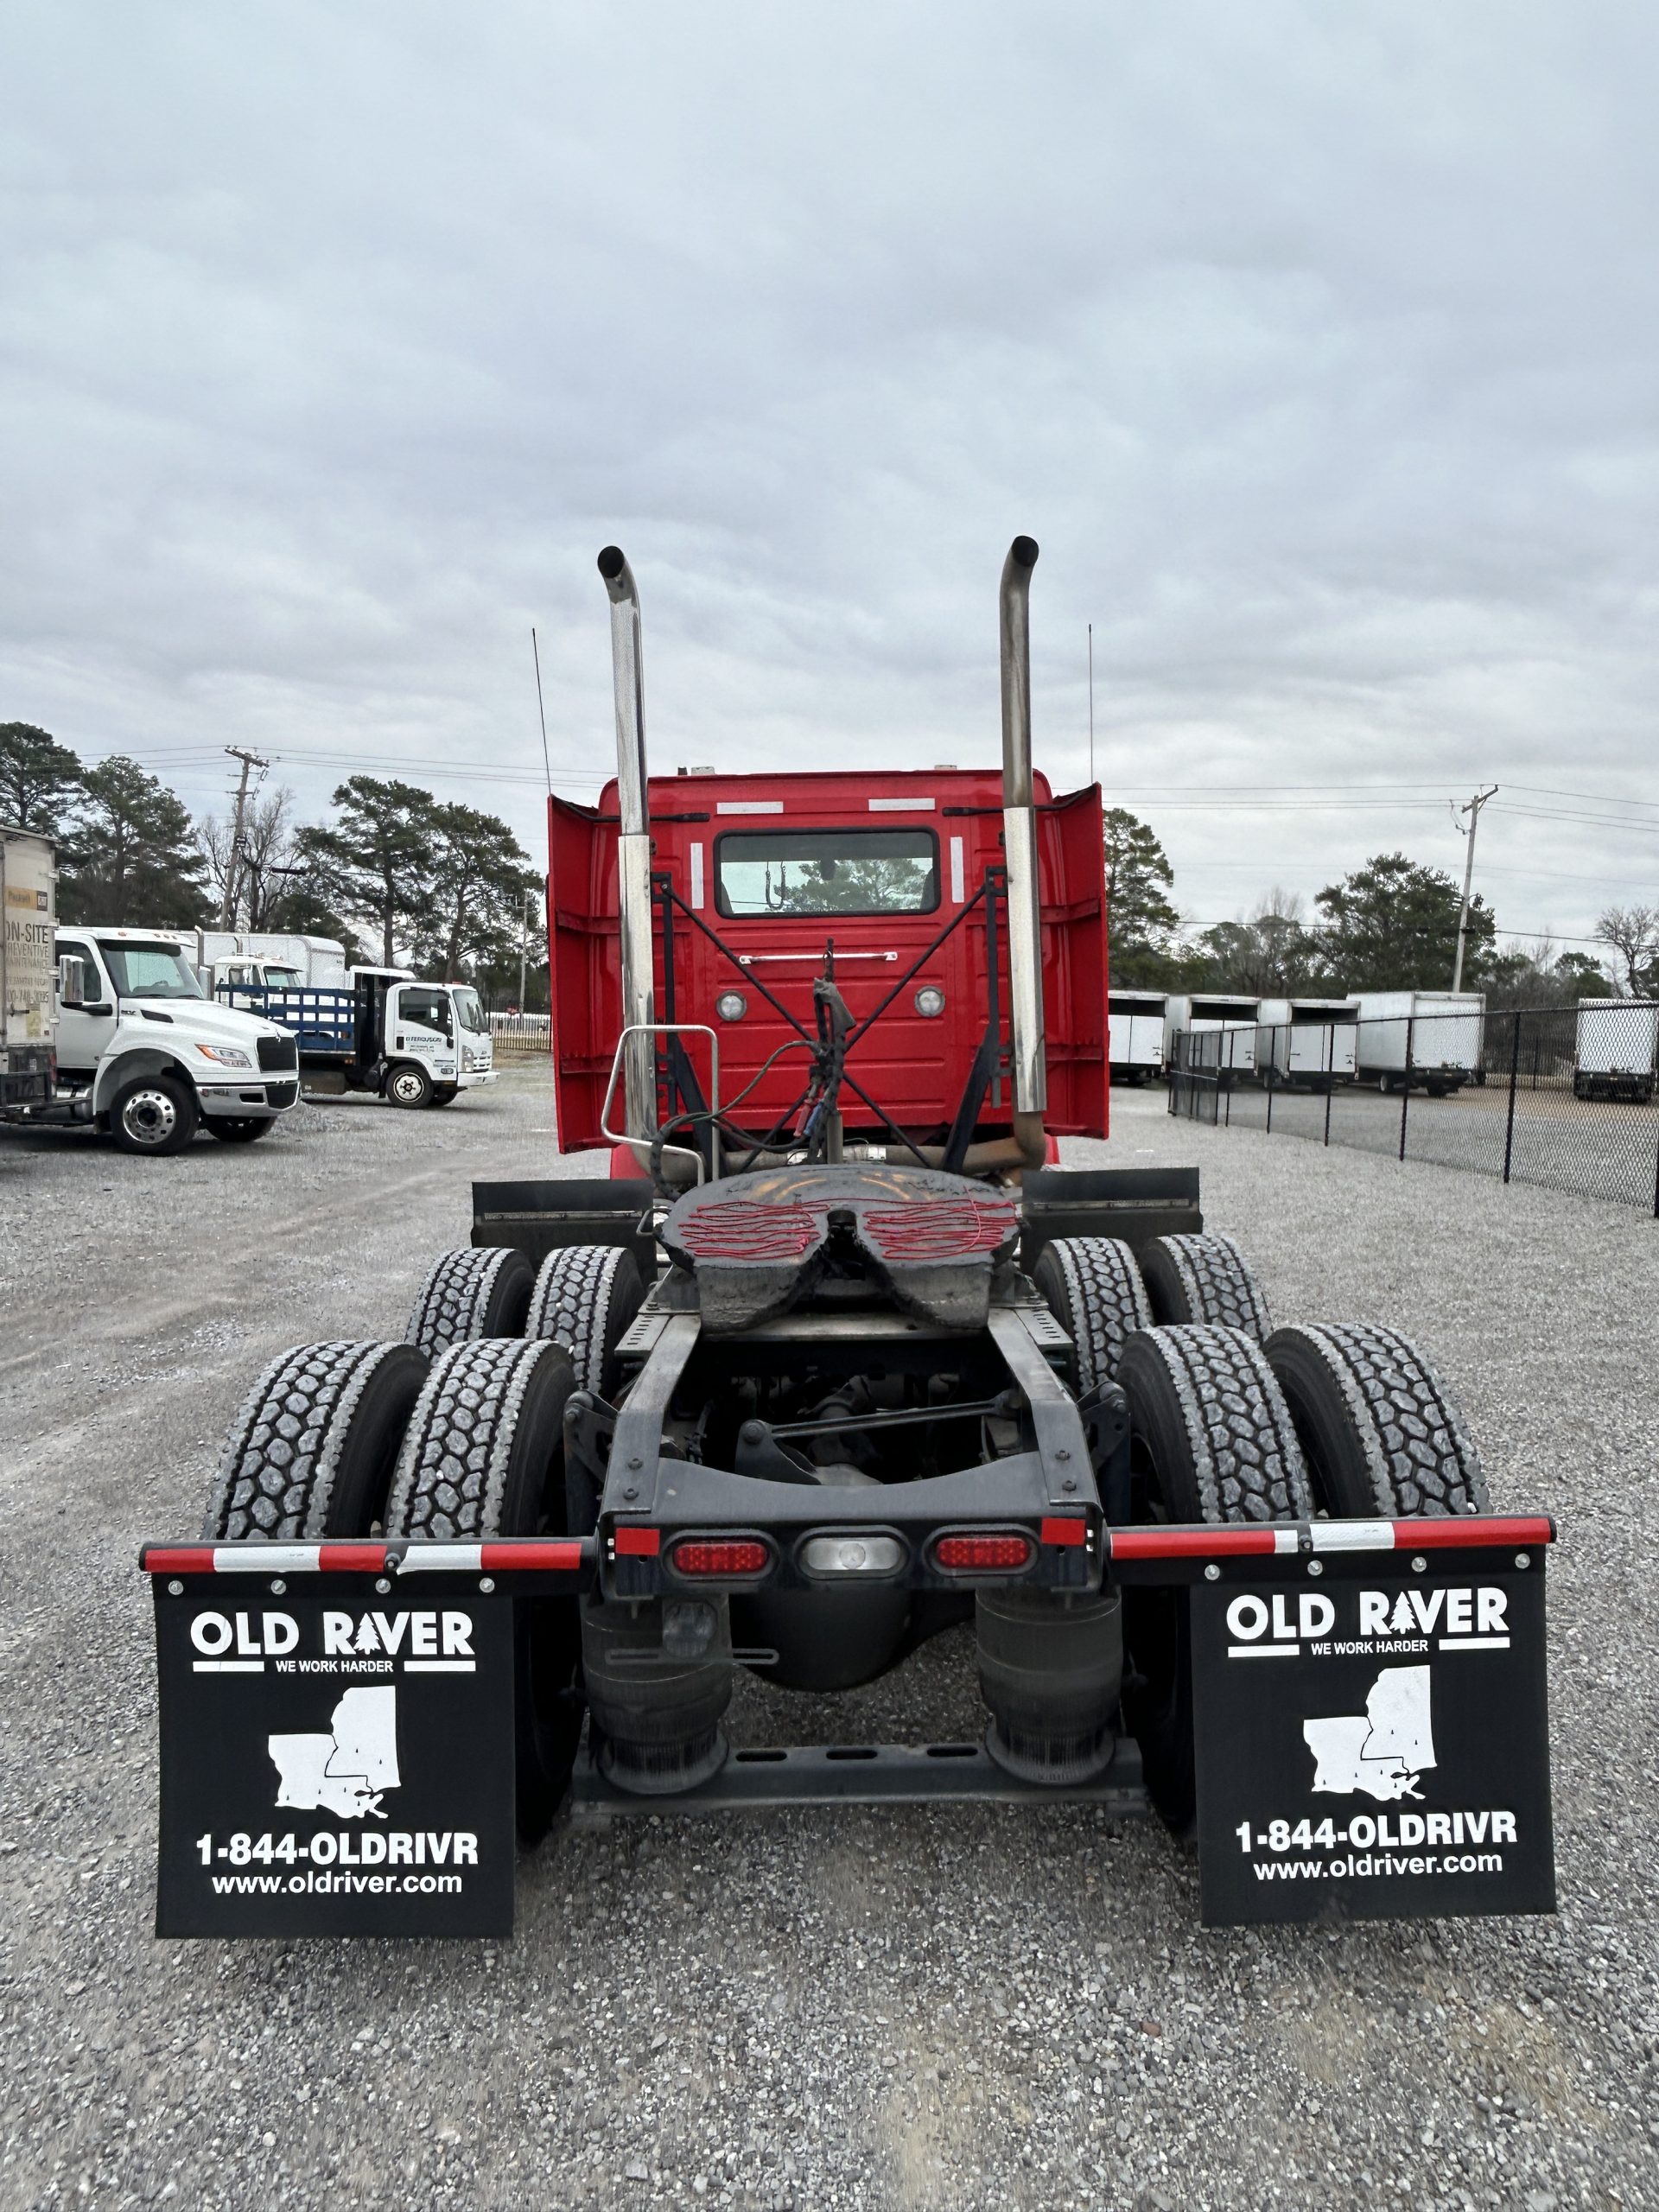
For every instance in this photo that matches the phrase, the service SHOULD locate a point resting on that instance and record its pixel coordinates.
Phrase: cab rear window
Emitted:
(759, 871)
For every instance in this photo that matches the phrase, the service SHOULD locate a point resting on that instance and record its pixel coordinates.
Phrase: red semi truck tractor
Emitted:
(840, 1356)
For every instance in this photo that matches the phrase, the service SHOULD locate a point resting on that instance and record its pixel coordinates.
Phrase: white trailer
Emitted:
(1617, 1044)
(29, 1019)
(1135, 1023)
(1231, 1021)
(1428, 1037)
(1309, 1041)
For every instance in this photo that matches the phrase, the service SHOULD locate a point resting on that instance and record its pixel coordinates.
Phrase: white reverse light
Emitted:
(852, 1556)
(929, 1002)
(730, 1005)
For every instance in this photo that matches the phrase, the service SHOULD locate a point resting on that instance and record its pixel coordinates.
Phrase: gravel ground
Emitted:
(914, 2008)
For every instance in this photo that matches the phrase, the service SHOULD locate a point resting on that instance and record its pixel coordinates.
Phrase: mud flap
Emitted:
(1371, 1736)
(334, 1760)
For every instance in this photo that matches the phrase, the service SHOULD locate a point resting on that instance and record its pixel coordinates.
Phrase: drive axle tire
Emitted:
(238, 1129)
(1382, 1435)
(1211, 1440)
(1093, 1288)
(585, 1298)
(312, 1450)
(409, 1085)
(156, 1114)
(1204, 1279)
(481, 1290)
(484, 1456)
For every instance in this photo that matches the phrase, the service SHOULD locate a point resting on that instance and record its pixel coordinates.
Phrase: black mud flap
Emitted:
(334, 1760)
(1134, 1203)
(1371, 1737)
(540, 1218)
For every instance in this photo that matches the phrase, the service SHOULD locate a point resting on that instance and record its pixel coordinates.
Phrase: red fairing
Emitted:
(913, 1067)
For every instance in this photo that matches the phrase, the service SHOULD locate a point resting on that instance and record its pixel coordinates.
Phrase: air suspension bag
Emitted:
(1051, 1668)
(659, 1713)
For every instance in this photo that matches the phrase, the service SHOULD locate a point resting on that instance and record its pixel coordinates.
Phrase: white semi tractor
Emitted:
(1617, 1043)
(1135, 1026)
(1408, 1038)
(1229, 1022)
(1306, 1042)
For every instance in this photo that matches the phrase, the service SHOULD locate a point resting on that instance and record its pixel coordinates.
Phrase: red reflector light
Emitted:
(983, 1555)
(732, 1555)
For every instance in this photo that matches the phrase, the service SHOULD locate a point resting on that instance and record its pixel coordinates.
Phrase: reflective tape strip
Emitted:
(275, 1559)
(1064, 1529)
(563, 1557)
(959, 876)
(901, 806)
(1351, 1536)
(696, 879)
(442, 1558)
(1457, 1530)
(748, 806)
(1197, 1543)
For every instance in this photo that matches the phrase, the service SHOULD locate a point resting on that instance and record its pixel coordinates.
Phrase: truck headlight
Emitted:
(228, 1056)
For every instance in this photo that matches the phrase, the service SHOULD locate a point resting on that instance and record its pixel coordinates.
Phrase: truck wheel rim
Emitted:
(405, 1086)
(149, 1116)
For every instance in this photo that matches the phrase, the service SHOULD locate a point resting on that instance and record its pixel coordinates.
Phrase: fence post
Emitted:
(1405, 1095)
(1515, 1069)
(1655, 1183)
(1330, 1072)
(1270, 1129)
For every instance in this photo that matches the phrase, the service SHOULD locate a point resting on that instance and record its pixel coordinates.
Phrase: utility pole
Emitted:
(523, 945)
(1471, 807)
(233, 872)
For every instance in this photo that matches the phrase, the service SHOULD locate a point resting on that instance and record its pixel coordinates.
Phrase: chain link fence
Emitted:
(1561, 1096)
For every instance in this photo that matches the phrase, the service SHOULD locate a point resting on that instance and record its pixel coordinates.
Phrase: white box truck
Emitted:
(1427, 1039)
(1135, 1023)
(1617, 1044)
(28, 879)
(1309, 1042)
(1230, 1022)
(270, 959)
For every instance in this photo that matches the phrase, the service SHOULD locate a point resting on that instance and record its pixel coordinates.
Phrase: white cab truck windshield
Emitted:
(148, 971)
(469, 1011)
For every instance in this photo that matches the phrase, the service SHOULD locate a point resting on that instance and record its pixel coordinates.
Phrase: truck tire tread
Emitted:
(478, 1290)
(1381, 1433)
(311, 1450)
(586, 1296)
(1093, 1288)
(1203, 1279)
(1208, 1413)
(460, 1474)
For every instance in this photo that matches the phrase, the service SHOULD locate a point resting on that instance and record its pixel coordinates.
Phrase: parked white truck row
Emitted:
(1433, 1041)
(154, 1033)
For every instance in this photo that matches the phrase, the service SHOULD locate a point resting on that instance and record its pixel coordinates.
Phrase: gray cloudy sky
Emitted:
(1315, 344)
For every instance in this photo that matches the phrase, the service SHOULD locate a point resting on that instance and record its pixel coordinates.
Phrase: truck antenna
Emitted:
(536, 654)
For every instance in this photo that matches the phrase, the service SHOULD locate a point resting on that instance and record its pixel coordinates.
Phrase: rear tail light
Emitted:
(983, 1555)
(723, 1559)
(859, 1555)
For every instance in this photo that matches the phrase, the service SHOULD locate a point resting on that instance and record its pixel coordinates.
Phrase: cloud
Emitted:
(1316, 349)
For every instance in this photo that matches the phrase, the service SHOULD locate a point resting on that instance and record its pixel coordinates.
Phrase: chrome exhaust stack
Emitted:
(633, 841)
(1019, 853)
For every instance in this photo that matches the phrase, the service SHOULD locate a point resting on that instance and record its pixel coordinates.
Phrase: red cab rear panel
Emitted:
(776, 867)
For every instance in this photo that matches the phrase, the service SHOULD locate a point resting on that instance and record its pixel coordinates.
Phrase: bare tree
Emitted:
(267, 854)
(1632, 933)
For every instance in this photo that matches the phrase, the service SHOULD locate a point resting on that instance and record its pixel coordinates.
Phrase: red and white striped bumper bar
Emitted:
(578, 1557)
(525, 1555)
